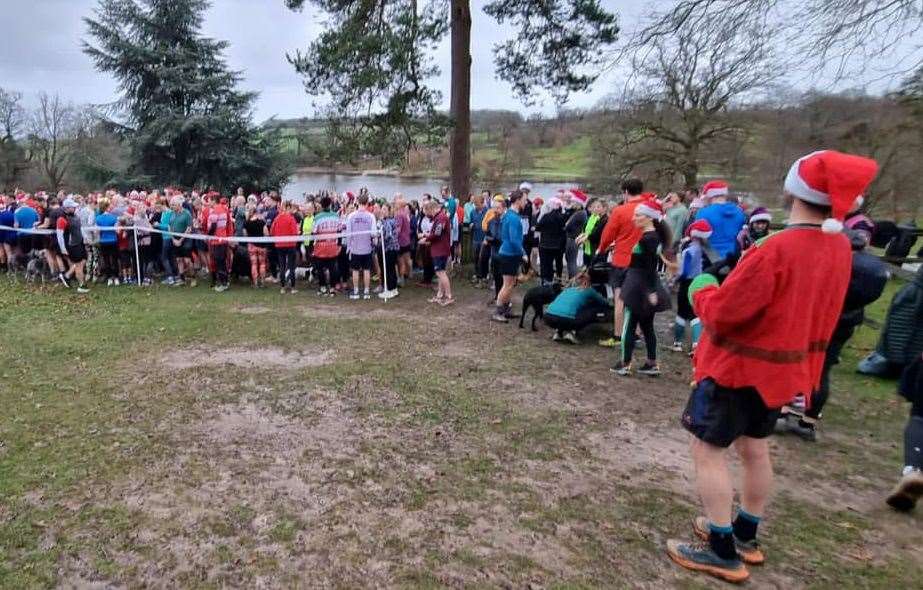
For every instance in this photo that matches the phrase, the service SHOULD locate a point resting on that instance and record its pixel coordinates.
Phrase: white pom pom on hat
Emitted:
(833, 179)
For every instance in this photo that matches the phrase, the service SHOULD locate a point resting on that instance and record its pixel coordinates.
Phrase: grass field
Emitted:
(182, 438)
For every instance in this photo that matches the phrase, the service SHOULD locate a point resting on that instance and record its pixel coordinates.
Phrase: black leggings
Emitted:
(323, 266)
(832, 357)
(483, 261)
(632, 321)
(551, 263)
(498, 275)
(109, 259)
(286, 265)
(389, 264)
(585, 317)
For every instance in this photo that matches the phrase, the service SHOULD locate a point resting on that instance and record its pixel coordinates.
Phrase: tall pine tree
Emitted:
(180, 109)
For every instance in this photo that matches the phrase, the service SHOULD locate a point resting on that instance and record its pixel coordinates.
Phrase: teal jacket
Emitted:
(570, 301)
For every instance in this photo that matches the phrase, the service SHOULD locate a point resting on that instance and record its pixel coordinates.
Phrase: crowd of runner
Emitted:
(747, 302)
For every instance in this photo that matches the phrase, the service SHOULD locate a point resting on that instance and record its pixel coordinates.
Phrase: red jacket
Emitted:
(768, 325)
(621, 230)
(284, 225)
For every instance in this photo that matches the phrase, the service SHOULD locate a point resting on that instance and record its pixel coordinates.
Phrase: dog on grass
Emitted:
(537, 298)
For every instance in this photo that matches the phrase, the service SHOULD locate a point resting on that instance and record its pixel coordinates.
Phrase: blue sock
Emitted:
(679, 330)
(721, 540)
(745, 525)
(696, 326)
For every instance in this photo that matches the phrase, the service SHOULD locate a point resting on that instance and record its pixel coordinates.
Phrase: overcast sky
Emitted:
(40, 51)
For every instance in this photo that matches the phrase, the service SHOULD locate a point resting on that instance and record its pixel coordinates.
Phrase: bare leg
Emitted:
(506, 292)
(713, 481)
(445, 286)
(367, 277)
(757, 473)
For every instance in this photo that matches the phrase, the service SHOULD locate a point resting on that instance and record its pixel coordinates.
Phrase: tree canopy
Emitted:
(180, 109)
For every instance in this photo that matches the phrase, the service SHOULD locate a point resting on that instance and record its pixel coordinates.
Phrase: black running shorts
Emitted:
(720, 415)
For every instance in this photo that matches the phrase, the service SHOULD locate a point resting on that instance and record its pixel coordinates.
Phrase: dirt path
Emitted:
(426, 446)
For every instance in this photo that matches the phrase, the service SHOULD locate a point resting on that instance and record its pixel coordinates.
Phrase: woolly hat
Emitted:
(760, 214)
(578, 195)
(555, 203)
(715, 188)
(651, 208)
(699, 229)
(525, 186)
(69, 203)
(831, 178)
(860, 223)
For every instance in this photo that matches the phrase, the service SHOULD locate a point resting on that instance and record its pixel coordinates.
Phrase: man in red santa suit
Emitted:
(759, 349)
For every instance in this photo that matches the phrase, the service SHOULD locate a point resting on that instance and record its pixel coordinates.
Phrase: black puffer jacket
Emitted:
(902, 337)
(866, 284)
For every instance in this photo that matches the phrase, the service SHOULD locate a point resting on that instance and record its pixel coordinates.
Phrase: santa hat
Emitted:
(832, 179)
(650, 208)
(699, 229)
(715, 188)
(525, 186)
(760, 214)
(578, 195)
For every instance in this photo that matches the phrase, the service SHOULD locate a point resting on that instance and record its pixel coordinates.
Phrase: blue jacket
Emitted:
(107, 236)
(476, 217)
(511, 235)
(726, 219)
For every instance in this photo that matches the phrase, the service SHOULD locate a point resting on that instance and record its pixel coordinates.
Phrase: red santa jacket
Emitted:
(768, 325)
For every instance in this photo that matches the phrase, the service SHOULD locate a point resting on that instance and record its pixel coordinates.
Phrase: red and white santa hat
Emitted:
(714, 188)
(699, 229)
(650, 207)
(833, 179)
(577, 195)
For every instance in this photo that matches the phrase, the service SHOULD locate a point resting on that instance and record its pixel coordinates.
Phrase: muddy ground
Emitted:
(320, 443)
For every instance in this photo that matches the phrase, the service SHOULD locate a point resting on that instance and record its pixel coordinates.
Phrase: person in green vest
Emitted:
(593, 229)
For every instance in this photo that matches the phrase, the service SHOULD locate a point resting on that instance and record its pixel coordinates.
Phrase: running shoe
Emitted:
(749, 551)
(621, 369)
(610, 342)
(178, 283)
(167, 281)
(292, 291)
(571, 337)
(557, 336)
(447, 302)
(499, 317)
(700, 557)
(366, 296)
(908, 490)
(353, 296)
(82, 289)
(649, 370)
(676, 347)
(63, 279)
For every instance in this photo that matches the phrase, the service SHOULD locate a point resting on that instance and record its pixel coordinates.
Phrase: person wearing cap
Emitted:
(510, 255)
(867, 282)
(69, 236)
(573, 227)
(619, 237)
(725, 218)
(641, 290)
(756, 229)
(760, 348)
(692, 263)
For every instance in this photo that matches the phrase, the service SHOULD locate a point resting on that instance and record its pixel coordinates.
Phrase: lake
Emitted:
(387, 186)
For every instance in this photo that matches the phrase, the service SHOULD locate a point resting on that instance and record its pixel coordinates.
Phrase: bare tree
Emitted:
(676, 107)
(53, 126)
(842, 34)
(14, 159)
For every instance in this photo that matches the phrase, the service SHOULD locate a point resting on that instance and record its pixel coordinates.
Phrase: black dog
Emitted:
(537, 298)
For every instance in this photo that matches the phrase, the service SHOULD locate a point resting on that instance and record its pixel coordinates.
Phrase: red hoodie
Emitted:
(284, 225)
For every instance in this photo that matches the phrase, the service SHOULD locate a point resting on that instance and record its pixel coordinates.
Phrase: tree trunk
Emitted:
(460, 144)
